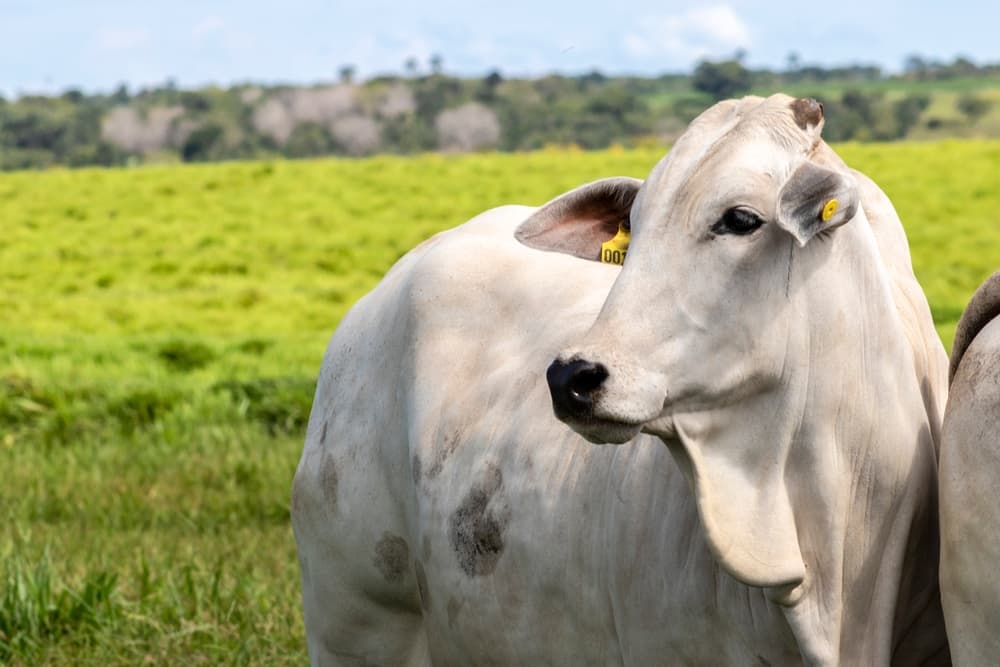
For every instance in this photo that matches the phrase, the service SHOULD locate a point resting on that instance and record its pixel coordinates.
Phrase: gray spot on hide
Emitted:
(322, 436)
(425, 595)
(392, 557)
(329, 480)
(298, 495)
(344, 657)
(415, 467)
(454, 607)
(476, 530)
(448, 446)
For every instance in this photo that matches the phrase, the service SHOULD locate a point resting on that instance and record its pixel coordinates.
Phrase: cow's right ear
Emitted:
(578, 222)
(816, 199)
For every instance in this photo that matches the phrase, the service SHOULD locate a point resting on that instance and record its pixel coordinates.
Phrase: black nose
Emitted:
(573, 385)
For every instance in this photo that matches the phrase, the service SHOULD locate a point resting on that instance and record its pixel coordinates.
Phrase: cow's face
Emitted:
(705, 332)
(702, 312)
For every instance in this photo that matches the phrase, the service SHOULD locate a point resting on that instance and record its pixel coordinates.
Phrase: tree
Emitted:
(356, 134)
(273, 119)
(915, 67)
(862, 103)
(396, 101)
(488, 88)
(410, 66)
(308, 140)
(721, 79)
(347, 73)
(493, 79)
(973, 106)
(908, 111)
(124, 128)
(436, 63)
(194, 101)
(470, 127)
(121, 95)
(202, 144)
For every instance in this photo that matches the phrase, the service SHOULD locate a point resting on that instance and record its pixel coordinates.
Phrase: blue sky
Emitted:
(95, 44)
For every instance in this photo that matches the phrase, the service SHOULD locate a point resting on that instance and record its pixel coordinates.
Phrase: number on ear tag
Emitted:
(613, 251)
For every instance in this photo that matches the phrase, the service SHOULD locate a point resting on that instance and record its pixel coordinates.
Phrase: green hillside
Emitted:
(422, 111)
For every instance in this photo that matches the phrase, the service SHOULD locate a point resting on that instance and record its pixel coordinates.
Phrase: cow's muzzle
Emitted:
(574, 386)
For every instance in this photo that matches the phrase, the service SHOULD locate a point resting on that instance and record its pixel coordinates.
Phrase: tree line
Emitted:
(429, 110)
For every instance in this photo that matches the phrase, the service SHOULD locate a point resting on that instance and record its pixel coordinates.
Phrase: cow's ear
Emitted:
(816, 199)
(578, 222)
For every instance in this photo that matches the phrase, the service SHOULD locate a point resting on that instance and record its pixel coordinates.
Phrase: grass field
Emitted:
(160, 331)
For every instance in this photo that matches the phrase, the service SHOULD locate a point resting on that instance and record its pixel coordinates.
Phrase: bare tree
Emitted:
(397, 101)
(356, 134)
(125, 128)
(122, 127)
(279, 115)
(469, 127)
(274, 120)
(250, 95)
(321, 105)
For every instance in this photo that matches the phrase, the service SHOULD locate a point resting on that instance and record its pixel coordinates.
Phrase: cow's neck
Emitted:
(878, 529)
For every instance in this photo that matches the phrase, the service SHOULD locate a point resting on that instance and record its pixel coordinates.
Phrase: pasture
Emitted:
(160, 332)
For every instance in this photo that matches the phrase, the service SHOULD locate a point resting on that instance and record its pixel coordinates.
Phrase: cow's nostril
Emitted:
(586, 380)
(572, 386)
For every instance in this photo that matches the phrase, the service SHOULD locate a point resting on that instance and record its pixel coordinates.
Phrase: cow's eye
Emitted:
(739, 221)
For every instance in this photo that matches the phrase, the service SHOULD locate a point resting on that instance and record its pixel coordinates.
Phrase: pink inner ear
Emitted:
(578, 222)
(579, 236)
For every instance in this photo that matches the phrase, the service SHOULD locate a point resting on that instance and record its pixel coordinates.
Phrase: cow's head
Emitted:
(703, 326)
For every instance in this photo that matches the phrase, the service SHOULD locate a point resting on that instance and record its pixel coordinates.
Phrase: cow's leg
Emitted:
(359, 587)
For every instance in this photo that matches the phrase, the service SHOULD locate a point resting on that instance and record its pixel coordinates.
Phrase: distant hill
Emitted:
(438, 112)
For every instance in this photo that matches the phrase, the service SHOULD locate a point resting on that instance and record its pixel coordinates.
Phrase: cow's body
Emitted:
(535, 546)
(443, 515)
(970, 484)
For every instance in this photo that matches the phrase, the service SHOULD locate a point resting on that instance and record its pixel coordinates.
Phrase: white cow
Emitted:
(445, 516)
(970, 479)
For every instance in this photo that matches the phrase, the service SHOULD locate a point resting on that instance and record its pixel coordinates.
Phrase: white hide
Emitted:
(444, 516)
(970, 479)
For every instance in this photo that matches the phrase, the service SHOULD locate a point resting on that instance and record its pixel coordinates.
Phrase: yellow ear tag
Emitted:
(829, 210)
(613, 251)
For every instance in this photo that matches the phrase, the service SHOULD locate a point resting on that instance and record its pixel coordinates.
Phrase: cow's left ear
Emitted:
(578, 222)
(816, 199)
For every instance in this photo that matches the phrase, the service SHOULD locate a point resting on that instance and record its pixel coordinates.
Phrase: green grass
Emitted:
(160, 332)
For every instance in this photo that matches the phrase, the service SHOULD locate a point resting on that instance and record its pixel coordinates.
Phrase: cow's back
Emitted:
(970, 485)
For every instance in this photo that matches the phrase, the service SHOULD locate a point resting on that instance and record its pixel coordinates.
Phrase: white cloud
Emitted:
(695, 33)
(122, 39)
(721, 24)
